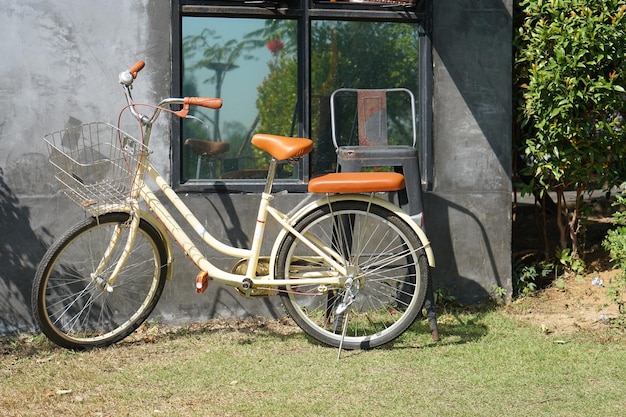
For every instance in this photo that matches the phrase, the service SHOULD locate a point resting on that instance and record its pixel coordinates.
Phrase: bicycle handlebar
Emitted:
(138, 66)
(127, 77)
(210, 103)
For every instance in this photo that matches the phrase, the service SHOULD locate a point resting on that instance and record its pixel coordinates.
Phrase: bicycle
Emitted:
(350, 267)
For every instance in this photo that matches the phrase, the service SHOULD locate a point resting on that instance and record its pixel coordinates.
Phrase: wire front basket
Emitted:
(95, 164)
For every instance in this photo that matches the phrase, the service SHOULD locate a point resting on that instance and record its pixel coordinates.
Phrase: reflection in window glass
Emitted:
(251, 64)
(360, 55)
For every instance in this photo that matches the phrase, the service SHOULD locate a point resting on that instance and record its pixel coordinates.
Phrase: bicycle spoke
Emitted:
(387, 271)
(76, 308)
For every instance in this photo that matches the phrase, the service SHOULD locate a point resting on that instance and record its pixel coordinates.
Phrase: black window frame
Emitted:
(304, 12)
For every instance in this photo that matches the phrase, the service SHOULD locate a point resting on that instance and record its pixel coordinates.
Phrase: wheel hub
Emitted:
(102, 283)
(352, 287)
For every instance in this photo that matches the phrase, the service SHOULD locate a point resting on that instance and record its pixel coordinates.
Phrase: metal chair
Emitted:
(374, 150)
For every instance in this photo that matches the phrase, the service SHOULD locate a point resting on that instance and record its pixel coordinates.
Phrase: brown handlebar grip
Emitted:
(138, 66)
(211, 103)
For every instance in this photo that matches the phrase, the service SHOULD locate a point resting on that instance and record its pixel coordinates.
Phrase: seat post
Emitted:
(271, 173)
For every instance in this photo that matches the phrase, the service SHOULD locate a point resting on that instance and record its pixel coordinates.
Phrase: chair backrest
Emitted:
(371, 115)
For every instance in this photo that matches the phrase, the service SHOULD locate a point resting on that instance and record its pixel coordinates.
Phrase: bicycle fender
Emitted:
(352, 197)
(149, 217)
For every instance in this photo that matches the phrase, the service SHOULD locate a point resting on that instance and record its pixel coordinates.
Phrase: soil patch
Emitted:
(575, 304)
(566, 304)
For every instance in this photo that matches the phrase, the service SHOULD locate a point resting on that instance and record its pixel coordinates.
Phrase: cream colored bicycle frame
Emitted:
(252, 254)
(166, 223)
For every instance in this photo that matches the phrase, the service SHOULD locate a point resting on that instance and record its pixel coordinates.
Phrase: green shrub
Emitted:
(615, 243)
(570, 75)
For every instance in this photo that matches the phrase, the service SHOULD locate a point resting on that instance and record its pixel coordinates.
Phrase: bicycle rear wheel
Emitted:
(78, 310)
(385, 259)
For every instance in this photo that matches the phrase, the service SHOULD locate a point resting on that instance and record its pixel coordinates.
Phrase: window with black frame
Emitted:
(257, 64)
(238, 60)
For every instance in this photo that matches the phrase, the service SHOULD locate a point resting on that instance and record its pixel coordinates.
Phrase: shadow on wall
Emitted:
(235, 234)
(20, 252)
(479, 260)
(473, 39)
(228, 304)
(223, 301)
(227, 216)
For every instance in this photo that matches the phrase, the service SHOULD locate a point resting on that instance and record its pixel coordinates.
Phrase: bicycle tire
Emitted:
(387, 259)
(76, 312)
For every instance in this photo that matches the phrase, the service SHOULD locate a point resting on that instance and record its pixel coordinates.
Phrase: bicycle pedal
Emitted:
(202, 282)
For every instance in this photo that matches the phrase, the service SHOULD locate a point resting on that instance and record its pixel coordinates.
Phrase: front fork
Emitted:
(98, 275)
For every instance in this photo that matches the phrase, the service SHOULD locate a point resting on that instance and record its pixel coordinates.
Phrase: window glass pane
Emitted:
(366, 3)
(251, 64)
(360, 55)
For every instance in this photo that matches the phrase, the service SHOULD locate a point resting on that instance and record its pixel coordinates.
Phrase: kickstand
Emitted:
(343, 332)
(343, 309)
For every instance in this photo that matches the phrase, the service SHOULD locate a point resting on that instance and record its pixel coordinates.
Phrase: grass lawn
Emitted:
(488, 363)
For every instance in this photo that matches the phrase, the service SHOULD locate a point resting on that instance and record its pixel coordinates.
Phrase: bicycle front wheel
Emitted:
(77, 309)
(386, 264)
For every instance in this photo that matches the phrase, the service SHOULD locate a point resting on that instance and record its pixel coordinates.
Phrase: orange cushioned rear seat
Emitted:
(357, 182)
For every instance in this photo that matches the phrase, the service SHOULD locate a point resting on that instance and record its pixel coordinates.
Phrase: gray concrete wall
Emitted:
(469, 211)
(60, 64)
